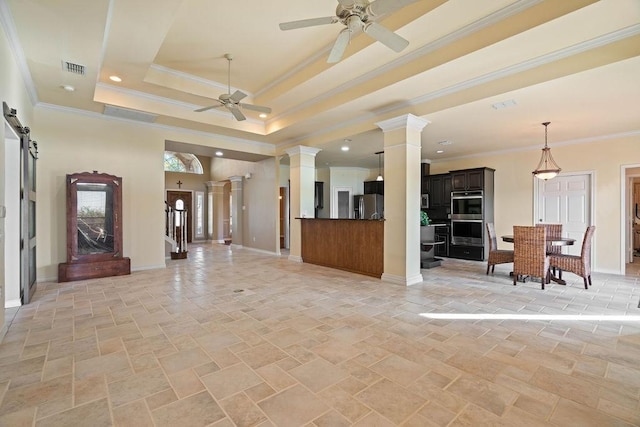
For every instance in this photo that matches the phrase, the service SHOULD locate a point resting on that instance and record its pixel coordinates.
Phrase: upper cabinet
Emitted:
(471, 179)
(439, 189)
(374, 187)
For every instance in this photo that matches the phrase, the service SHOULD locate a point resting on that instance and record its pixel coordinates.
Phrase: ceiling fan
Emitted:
(232, 101)
(357, 15)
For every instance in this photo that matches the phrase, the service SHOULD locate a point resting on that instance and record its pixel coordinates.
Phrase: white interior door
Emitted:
(566, 200)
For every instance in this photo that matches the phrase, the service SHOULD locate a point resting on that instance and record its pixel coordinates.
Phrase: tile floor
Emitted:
(231, 337)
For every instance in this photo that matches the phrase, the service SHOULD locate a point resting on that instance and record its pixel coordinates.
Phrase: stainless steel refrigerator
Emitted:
(368, 206)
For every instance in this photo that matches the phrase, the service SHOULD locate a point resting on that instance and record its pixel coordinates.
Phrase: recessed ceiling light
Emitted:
(68, 88)
(219, 153)
(347, 140)
(446, 142)
(115, 79)
(345, 148)
(440, 151)
(263, 115)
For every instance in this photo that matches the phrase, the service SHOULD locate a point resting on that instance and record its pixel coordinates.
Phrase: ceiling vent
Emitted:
(70, 67)
(125, 113)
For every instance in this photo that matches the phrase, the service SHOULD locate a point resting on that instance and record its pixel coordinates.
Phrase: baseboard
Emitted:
(12, 303)
(401, 280)
(236, 246)
(149, 267)
(295, 258)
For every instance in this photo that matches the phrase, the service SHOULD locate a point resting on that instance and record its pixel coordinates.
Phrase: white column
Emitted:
(237, 209)
(402, 198)
(216, 210)
(302, 176)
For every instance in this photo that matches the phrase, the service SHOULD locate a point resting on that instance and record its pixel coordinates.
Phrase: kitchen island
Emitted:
(355, 245)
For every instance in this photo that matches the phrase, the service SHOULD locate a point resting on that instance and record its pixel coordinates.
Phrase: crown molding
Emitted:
(301, 149)
(576, 141)
(211, 83)
(186, 131)
(6, 20)
(465, 31)
(406, 121)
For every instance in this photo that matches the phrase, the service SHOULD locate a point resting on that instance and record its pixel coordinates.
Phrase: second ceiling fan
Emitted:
(232, 101)
(357, 15)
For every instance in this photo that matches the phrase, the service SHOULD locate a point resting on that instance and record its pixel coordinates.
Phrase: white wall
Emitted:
(13, 91)
(12, 221)
(514, 188)
(260, 195)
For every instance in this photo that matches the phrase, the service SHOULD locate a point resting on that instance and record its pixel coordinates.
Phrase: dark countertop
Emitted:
(342, 219)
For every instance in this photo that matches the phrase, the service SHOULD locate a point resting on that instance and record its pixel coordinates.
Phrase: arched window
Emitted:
(182, 162)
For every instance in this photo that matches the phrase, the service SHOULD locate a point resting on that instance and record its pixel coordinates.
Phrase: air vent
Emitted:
(70, 67)
(125, 113)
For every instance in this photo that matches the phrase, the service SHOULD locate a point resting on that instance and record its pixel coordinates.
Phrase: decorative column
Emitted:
(237, 208)
(302, 176)
(216, 211)
(402, 198)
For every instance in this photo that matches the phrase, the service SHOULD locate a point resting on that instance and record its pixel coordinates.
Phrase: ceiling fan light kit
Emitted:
(357, 15)
(232, 101)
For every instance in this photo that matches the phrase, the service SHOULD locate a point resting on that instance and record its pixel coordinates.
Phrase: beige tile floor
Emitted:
(235, 337)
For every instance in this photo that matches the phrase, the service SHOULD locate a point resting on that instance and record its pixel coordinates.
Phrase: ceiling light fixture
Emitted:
(380, 177)
(115, 79)
(263, 115)
(439, 151)
(68, 88)
(547, 168)
(219, 153)
(345, 148)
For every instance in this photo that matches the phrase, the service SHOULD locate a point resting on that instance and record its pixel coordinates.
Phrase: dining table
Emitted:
(554, 241)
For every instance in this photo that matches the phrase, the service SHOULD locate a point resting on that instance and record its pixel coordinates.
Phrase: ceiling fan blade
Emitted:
(237, 114)
(339, 46)
(258, 108)
(210, 107)
(237, 96)
(380, 7)
(385, 36)
(308, 23)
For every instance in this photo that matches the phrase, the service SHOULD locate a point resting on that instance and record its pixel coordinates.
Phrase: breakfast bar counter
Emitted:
(347, 244)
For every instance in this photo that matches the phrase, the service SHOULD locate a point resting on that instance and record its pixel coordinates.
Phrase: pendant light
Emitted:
(547, 168)
(380, 177)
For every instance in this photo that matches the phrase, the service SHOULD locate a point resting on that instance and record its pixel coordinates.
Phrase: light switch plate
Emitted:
(3, 211)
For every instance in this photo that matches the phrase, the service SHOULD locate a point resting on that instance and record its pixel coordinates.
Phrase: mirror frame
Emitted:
(115, 184)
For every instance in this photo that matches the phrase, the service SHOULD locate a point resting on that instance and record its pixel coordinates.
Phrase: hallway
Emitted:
(235, 337)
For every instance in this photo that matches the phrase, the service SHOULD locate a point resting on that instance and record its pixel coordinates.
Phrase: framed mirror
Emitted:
(94, 228)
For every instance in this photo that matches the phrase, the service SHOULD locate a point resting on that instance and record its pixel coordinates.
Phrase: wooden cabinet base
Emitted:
(68, 272)
(346, 244)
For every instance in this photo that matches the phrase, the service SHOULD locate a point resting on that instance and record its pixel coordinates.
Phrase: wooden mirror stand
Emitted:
(94, 228)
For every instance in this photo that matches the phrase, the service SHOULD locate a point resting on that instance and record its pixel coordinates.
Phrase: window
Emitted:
(182, 162)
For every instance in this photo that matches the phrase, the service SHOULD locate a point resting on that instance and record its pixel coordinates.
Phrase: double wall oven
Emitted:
(467, 215)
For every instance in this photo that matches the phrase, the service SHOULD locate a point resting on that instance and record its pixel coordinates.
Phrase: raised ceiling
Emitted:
(574, 63)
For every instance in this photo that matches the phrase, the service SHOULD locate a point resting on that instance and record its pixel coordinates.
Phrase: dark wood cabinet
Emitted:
(94, 228)
(439, 189)
(469, 179)
(374, 187)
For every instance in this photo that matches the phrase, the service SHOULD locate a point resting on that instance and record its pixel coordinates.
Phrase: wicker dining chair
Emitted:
(496, 256)
(553, 230)
(530, 253)
(579, 265)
